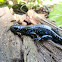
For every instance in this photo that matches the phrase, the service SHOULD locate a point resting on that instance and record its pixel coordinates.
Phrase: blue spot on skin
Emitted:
(46, 32)
(47, 37)
(59, 38)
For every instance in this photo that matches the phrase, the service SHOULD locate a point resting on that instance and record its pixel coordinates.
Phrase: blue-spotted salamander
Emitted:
(38, 32)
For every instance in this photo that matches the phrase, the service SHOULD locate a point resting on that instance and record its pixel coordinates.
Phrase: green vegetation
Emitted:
(2, 0)
(56, 15)
(31, 3)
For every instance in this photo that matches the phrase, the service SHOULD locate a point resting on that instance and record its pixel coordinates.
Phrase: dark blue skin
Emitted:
(37, 32)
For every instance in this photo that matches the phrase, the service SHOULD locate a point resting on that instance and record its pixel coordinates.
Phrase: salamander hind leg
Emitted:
(47, 37)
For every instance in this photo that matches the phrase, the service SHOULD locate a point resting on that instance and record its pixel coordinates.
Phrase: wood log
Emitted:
(13, 49)
(42, 51)
(10, 45)
(29, 49)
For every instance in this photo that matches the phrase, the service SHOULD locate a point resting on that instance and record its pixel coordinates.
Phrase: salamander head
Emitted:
(16, 28)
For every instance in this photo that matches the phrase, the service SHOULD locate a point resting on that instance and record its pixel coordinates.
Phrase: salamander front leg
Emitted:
(47, 37)
(35, 36)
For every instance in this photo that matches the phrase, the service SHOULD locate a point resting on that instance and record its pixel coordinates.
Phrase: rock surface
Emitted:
(12, 49)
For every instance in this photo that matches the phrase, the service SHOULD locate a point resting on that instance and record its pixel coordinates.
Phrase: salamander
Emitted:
(37, 32)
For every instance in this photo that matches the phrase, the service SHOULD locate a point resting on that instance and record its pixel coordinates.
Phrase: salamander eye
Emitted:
(15, 28)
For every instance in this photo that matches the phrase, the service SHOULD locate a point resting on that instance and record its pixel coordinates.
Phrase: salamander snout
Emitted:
(15, 28)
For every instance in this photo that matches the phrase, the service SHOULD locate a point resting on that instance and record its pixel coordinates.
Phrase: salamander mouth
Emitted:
(13, 29)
